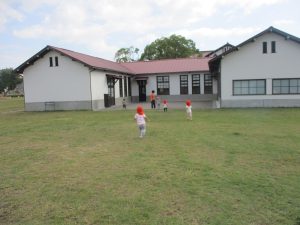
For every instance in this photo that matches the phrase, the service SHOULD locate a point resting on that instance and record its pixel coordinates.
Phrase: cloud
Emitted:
(8, 13)
(93, 23)
(219, 32)
(284, 22)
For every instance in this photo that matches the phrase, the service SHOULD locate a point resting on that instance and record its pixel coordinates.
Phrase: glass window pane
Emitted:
(245, 84)
(244, 91)
(285, 83)
(293, 90)
(294, 82)
(276, 83)
(252, 91)
(260, 91)
(276, 90)
(260, 83)
(284, 90)
(252, 83)
(237, 91)
(237, 84)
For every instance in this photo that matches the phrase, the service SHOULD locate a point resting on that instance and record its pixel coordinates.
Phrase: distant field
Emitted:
(226, 167)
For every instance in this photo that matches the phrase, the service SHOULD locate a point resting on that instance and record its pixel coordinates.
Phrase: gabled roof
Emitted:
(87, 60)
(226, 45)
(252, 39)
(168, 66)
(271, 30)
(140, 67)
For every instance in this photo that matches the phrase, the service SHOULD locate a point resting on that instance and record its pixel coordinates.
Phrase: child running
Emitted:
(165, 106)
(140, 119)
(188, 106)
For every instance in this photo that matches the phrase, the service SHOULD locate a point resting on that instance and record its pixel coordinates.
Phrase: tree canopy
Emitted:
(175, 46)
(9, 79)
(127, 54)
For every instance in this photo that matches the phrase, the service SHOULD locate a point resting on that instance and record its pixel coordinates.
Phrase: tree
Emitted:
(9, 78)
(175, 46)
(127, 54)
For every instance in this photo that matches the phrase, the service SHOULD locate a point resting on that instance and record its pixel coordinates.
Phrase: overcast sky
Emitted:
(101, 27)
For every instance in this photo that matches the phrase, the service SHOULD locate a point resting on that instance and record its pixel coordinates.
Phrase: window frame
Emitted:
(196, 84)
(246, 85)
(184, 84)
(50, 61)
(208, 84)
(56, 60)
(286, 86)
(165, 89)
(273, 46)
(265, 47)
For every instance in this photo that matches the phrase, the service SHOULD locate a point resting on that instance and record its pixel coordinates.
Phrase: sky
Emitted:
(101, 27)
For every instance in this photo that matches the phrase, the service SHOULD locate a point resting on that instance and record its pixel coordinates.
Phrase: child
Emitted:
(158, 102)
(165, 106)
(188, 107)
(140, 119)
(152, 99)
(124, 103)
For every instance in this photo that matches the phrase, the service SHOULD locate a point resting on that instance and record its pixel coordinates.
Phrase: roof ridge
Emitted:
(58, 48)
(159, 60)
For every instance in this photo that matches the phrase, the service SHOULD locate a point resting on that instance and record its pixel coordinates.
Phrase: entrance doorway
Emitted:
(109, 99)
(142, 90)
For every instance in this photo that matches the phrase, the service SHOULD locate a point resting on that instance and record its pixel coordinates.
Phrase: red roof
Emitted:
(168, 66)
(135, 68)
(92, 61)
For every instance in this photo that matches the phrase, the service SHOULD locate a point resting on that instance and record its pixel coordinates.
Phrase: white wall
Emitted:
(250, 63)
(98, 85)
(69, 81)
(174, 83)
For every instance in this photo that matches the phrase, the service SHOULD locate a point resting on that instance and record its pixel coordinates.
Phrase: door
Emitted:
(111, 90)
(142, 90)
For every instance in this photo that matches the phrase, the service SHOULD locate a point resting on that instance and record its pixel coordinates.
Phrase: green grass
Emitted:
(226, 167)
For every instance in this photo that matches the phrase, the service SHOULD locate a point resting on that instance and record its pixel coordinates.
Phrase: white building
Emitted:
(263, 71)
(260, 72)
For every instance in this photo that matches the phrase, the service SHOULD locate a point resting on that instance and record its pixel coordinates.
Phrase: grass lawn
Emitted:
(226, 167)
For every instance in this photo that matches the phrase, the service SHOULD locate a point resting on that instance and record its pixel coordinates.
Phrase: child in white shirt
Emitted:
(158, 102)
(140, 119)
(188, 106)
(165, 106)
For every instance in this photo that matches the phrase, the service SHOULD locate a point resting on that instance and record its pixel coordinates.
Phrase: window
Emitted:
(207, 84)
(196, 84)
(121, 87)
(249, 87)
(286, 86)
(184, 85)
(125, 86)
(273, 46)
(56, 61)
(265, 47)
(129, 86)
(163, 85)
(50, 61)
